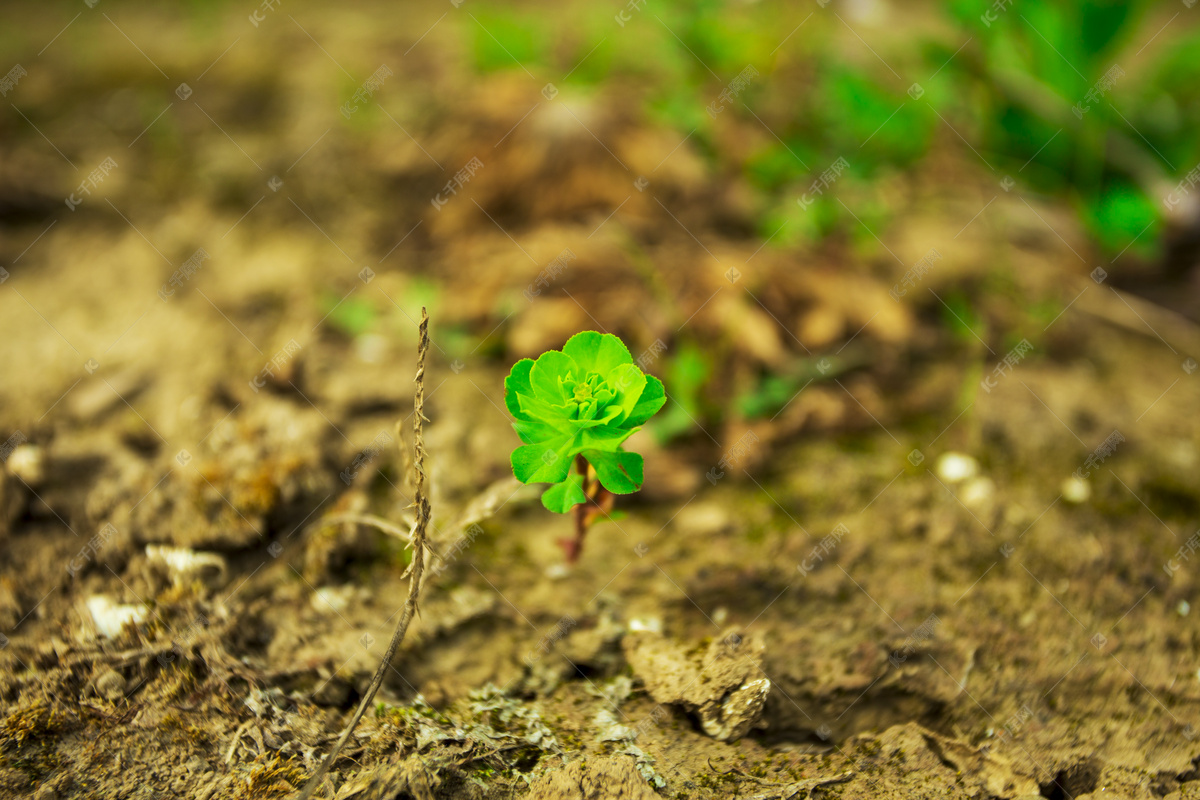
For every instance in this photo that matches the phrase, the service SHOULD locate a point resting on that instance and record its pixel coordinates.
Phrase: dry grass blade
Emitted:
(415, 570)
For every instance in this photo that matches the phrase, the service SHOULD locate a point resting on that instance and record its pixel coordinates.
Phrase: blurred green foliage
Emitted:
(687, 372)
(1007, 84)
(881, 93)
(352, 316)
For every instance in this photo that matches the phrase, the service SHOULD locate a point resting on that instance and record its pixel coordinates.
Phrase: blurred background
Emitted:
(926, 271)
(729, 179)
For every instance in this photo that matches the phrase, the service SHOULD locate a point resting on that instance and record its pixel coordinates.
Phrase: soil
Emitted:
(806, 601)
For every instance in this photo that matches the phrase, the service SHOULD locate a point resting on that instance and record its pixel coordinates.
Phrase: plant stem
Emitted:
(573, 547)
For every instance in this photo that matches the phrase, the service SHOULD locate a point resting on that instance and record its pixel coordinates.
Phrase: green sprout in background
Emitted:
(575, 407)
(1013, 82)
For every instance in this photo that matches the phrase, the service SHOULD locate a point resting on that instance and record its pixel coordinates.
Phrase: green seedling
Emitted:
(574, 408)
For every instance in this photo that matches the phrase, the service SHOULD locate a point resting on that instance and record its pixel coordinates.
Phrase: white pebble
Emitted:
(332, 598)
(955, 467)
(28, 463)
(650, 625)
(1076, 490)
(556, 572)
(978, 492)
(184, 565)
(1183, 608)
(111, 617)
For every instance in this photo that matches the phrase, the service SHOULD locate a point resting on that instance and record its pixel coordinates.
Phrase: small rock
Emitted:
(1076, 490)
(978, 492)
(110, 685)
(557, 572)
(111, 618)
(183, 565)
(332, 598)
(956, 467)
(723, 685)
(28, 462)
(651, 624)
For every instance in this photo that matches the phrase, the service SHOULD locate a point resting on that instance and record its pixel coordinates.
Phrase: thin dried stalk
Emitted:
(415, 570)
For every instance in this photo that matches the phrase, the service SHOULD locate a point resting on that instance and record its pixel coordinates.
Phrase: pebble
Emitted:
(183, 564)
(332, 598)
(28, 462)
(651, 624)
(1076, 490)
(111, 617)
(110, 685)
(956, 467)
(978, 492)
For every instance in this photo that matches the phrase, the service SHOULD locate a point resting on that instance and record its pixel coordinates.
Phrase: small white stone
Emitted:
(651, 625)
(978, 492)
(332, 598)
(556, 572)
(183, 564)
(28, 462)
(111, 617)
(1183, 608)
(955, 467)
(1076, 490)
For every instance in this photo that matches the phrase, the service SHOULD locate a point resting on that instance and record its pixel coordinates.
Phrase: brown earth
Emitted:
(989, 637)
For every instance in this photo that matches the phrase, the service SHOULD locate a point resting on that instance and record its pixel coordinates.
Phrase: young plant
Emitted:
(573, 408)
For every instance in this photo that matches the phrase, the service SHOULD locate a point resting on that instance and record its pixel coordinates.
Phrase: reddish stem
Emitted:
(573, 547)
(582, 515)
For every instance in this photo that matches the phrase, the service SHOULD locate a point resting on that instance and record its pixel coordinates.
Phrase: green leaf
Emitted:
(604, 437)
(560, 497)
(619, 472)
(535, 408)
(547, 374)
(610, 414)
(533, 431)
(648, 404)
(629, 381)
(545, 462)
(595, 352)
(517, 383)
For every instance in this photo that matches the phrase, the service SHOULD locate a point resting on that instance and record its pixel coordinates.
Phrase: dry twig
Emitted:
(415, 570)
